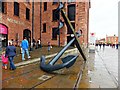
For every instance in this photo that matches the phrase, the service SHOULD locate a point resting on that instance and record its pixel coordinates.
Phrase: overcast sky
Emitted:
(104, 17)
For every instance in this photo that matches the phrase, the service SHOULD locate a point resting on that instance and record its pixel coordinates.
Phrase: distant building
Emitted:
(101, 41)
(112, 39)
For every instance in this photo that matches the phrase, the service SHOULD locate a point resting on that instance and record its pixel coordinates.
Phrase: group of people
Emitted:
(36, 44)
(103, 44)
(100, 44)
(10, 53)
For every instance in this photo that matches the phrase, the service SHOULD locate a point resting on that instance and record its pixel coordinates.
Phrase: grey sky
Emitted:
(104, 17)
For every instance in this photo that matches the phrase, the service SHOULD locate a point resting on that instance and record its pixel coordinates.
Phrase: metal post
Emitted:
(59, 23)
(40, 18)
(32, 19)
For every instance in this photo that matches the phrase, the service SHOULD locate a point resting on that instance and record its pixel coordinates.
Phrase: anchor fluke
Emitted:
(71, 58)
(66, 63)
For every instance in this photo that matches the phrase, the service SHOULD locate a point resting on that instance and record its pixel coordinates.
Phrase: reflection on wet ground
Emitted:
(101, 70)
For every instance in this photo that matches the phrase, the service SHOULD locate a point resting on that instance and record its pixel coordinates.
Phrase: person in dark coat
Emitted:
(100, 45)
(116, 46)
(11, 53)
(103, 46)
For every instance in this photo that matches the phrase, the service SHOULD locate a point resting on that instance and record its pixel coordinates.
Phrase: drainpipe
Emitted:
(40, 18)
(31, 48)
(32, 19)
(59, 22)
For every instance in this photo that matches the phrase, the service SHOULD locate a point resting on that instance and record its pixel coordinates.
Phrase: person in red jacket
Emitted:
(4, 60)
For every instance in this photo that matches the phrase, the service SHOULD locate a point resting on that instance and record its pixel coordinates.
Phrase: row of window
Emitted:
(55, 31)
(56, 16)
(16, 9)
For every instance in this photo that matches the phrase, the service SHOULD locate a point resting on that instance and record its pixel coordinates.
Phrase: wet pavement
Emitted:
(101, 71)
(32, 76)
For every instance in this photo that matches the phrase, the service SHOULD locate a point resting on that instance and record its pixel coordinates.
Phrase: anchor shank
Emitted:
(67, 21)
(54, 60)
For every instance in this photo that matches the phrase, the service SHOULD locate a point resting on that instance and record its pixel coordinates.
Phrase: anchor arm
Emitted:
(50, 68)
(54, 60)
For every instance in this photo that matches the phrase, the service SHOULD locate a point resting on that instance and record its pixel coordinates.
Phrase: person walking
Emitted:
(34, 43)
(100, 45)
(11, 53)
(25, 46)
(39, 43)
(116, 46)
(103, 46)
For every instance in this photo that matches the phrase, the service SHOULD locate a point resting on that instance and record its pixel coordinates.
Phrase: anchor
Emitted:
(69, 60)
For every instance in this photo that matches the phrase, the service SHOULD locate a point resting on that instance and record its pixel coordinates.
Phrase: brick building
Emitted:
(37, 20)
(77, 12)
(16, 21)
(112, 39)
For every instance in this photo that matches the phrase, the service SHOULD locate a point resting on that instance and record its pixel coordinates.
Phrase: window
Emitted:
(54, 33)
(55, 15)
(27, 14)
(45, 6)
(16, 8)
(3, 9)
(44, 27)
(71, 12)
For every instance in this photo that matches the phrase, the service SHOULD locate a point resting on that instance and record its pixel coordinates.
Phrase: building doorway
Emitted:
(3, 35)
(27, 34)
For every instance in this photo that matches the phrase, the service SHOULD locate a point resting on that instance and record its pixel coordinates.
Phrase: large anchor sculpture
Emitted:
(69, 60)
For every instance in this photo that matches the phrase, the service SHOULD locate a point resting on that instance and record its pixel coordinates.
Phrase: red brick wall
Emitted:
(18, 24)
(14, 23)
(81, 22)
(14, 28)
(36, 20)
